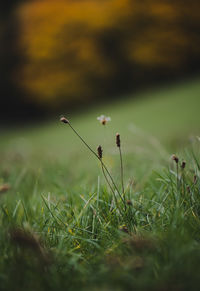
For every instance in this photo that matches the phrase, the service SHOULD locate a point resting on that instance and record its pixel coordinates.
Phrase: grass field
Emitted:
(61, 226)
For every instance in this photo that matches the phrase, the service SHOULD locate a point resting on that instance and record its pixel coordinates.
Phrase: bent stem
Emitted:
(104, 166)
(177, 173)
(113, 191)
(118, 143)
(122, 172)
(83, 140)
(113, 182)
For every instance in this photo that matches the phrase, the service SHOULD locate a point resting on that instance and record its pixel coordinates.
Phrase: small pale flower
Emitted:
(103, 119)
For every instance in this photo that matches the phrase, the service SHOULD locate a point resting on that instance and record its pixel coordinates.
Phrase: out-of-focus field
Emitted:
(152, 127)
(168, 113)
(151, 121)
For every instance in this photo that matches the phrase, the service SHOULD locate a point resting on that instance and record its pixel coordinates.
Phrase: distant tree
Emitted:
(12, 101)
(76, 51)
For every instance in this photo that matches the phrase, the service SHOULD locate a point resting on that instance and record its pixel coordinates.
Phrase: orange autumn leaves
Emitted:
(69, 50)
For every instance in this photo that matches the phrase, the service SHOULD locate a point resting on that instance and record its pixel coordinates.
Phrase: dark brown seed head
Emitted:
(195, 179)
(100, 152)
(183, 164)
(118, 142)
(64, 120)
(175, 158)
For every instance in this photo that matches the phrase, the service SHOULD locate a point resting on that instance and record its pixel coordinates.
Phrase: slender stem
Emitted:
(122, 176)
(110, 186)
(122, 173)
(97, 158)
(98, 187)
(105, 134)
(84, 141)
(107, 180)
(177, 176)
(112, 180)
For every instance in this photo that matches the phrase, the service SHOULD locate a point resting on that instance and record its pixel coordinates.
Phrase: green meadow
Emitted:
(63, 227)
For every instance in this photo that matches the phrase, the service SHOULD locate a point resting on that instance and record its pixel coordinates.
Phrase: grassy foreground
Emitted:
(62, 229)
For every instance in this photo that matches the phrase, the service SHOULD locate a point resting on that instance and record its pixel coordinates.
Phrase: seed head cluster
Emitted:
(64, 120)
(100, 152)
(175, 158)
(108, 177)
(183, 164)
(118, 141)
(103, 119)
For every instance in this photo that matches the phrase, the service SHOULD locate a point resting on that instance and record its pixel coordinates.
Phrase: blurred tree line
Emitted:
(71, 52)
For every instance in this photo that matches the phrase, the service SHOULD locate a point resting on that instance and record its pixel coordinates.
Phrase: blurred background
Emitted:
(66, 55)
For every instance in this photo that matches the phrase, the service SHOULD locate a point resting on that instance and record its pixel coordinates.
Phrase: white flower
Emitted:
(103, 119)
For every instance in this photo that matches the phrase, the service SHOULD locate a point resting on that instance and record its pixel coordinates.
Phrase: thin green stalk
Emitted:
(97, 158)
(118, 143)
(122, 172)
(83, 141)
(113, 181)
(177, 173)
(110, 186)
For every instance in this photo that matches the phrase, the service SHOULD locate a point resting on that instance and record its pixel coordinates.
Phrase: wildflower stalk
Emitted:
(99, 150)
(118, 143)
(183, 176)
(122, 172)
(113, 182)
(177, 171)
(64, 120)
(175, 158)
(83, 141)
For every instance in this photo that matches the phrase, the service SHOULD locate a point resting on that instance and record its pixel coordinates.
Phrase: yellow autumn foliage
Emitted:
(75, 50)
